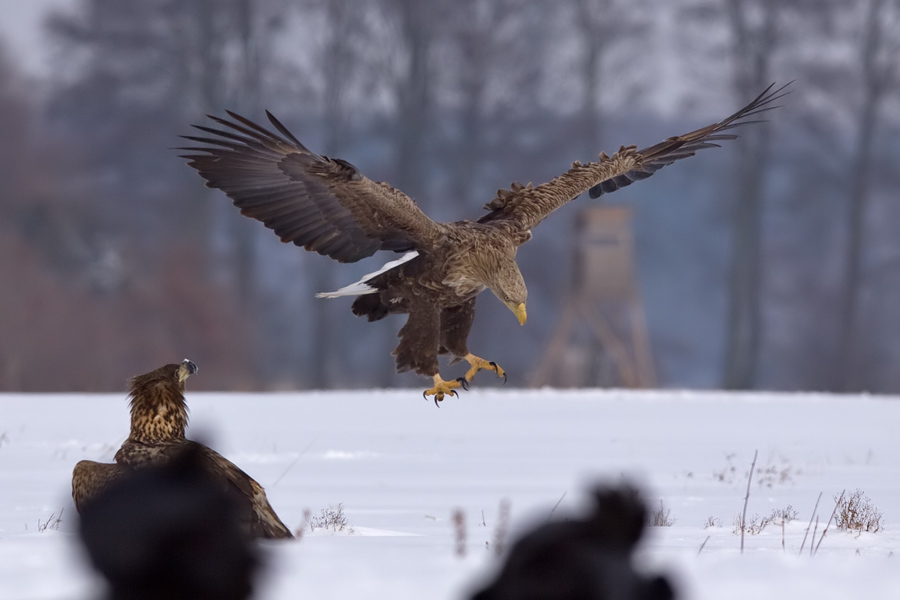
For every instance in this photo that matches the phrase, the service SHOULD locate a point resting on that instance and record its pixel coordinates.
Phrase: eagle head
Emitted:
(158, 409)
(185, 370)
(509, 286)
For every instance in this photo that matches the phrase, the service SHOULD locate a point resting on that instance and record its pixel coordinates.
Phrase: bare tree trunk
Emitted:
(209, 93)
(753, 48)
(415, 21)
(473, 39)
(744, 319)
(594, 43)
(248, 99)
(413, 94)
(338, 64)
(858, 194)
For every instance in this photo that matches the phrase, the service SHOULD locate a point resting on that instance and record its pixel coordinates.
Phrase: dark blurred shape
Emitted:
(170, 532)
(583, 559)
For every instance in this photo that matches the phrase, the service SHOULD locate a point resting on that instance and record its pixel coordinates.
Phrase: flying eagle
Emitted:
(326, 205)
(159, 416)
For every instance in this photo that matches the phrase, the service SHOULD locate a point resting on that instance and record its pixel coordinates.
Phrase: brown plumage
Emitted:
(90, 478)
(328, 206)
(159, 417)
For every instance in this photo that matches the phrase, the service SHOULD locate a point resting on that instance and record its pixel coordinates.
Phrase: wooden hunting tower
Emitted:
(601, 339)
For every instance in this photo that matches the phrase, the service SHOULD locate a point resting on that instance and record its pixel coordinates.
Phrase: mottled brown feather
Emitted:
(91, 478)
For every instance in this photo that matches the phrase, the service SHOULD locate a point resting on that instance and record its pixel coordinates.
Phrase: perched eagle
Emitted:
(326, 205)
(159, 416)
(171, 531)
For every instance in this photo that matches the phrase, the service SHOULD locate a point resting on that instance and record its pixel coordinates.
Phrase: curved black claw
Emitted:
(436, 401)
(497, 369)
(463, 383)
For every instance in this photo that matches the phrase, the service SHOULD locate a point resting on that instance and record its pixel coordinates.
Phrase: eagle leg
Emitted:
(444, 388)
(479, 364)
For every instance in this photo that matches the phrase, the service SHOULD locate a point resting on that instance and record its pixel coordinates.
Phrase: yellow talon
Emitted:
(479, 364)
(442, 388)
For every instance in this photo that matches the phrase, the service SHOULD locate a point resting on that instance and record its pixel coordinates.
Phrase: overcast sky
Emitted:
(21, 31)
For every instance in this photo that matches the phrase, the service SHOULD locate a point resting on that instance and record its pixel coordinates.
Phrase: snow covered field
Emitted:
(400, 467)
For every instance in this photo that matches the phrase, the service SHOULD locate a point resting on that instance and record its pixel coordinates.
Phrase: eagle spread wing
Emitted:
(526, 206)
(323, 204)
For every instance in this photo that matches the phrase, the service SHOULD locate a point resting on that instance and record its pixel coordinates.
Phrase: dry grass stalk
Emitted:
(661, 516)
(330, 518)
(815, 508)
(856, 512)
(555, 506)
(51, 523)
(757, 524)
(502, 527)
(814, 537)
(747, 498)
(783, 521)
(703, 545)
(459, 532)
(824, 531)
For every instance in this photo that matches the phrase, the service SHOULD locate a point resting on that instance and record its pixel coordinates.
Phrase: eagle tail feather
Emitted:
(267, 522)
(362, 287)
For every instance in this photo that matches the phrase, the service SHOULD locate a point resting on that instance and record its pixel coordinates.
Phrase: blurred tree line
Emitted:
(773, 263)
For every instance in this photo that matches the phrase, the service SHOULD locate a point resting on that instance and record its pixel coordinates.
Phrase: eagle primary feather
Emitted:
(159, 417)
(328, 206)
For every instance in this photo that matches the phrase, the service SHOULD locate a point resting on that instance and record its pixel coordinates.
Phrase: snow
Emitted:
(400, 467)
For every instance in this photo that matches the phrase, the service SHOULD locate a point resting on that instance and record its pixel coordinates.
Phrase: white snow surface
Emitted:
(400, 467)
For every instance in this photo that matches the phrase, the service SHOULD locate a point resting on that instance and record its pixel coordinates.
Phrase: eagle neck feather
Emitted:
(158, 410)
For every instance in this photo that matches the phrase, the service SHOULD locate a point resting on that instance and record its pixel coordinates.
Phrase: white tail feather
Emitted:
(361, 288)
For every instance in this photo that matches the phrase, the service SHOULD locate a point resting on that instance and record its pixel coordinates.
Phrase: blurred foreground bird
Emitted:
(582, 559)
(170, 531)
(158, 419)
(326, 205)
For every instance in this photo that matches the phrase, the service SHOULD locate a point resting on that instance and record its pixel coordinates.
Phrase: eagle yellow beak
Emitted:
(519, 311)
